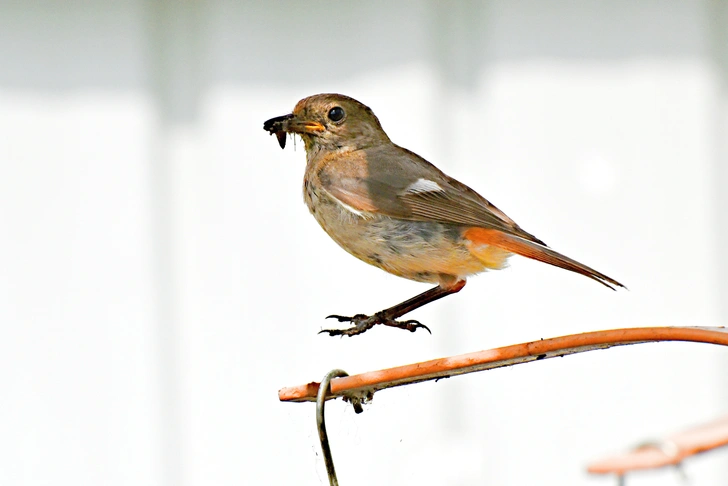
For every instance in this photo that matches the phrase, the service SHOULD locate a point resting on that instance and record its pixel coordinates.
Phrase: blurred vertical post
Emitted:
(718, 18)
(174, 67)
(455, 46)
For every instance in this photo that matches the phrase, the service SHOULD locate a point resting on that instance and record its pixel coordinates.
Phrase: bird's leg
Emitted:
(388, 316)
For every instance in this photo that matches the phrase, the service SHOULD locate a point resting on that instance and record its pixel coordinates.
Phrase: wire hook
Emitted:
(324, 389)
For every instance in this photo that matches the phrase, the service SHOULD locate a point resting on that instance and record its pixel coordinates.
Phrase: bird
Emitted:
(393, 209)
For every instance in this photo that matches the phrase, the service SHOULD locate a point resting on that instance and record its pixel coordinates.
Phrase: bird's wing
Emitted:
(395, 182)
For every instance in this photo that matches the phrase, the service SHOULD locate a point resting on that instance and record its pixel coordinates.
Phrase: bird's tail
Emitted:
(535, 251)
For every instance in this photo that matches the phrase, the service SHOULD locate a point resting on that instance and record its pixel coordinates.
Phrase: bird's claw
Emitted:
(363, 323)
(412, 325)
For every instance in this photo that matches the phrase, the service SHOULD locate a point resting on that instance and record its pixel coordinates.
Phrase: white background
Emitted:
(161, 279)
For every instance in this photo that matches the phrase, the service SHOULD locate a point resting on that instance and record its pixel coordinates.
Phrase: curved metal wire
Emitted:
(323, 390)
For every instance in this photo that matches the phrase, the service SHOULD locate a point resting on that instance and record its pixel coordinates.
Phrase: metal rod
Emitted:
(365, 384)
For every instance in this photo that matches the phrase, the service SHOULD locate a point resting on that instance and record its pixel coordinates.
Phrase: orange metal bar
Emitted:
(669, 452)
(365, 384)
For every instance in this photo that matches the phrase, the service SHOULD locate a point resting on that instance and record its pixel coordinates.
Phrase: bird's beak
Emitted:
(281, 125)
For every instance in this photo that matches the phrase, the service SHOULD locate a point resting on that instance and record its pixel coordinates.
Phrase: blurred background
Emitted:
(161, 277)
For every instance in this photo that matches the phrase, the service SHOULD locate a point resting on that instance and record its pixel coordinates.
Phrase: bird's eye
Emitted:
(336, 114)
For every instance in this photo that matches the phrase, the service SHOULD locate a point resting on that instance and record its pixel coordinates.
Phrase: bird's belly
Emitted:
(417, 250)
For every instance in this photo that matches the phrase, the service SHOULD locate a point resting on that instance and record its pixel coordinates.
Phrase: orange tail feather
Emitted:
(535, 251)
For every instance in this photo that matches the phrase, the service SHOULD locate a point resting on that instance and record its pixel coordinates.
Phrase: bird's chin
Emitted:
(311, 143)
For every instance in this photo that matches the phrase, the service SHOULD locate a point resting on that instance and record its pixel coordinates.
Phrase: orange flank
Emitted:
(529, 249)
(491, 255)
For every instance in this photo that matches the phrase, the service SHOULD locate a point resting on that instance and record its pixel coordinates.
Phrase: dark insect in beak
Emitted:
(277, 126)
(281, 136)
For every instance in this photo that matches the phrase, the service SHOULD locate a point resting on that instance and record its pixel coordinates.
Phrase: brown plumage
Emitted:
(393, 209)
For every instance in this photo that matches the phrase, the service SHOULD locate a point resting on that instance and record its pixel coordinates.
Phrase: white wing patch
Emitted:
(423, 185)
(349, 208)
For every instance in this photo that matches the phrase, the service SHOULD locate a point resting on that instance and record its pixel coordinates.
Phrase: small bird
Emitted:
(393, 209)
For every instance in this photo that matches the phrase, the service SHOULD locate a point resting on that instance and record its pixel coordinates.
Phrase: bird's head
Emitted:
(329, 122)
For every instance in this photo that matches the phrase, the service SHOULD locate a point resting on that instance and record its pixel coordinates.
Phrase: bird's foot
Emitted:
(363, 323)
